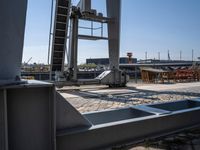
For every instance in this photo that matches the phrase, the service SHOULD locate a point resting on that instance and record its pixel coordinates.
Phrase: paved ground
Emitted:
(96, 98)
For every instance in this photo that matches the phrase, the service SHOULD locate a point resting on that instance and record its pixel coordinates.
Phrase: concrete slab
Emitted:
(113, 91)
(164, 87)
(68, 95)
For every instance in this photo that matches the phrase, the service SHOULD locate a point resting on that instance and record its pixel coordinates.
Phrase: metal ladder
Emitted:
(60, 32)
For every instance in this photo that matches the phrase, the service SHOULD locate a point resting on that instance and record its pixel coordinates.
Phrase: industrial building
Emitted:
(105, 61)
(152, 61)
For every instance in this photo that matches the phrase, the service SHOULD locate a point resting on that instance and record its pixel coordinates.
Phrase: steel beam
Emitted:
(85, 5)
(67, 116)
(3, 121)
(131, 125)
(73, 47)
(28, 114)
(114, 12)
(13, 17)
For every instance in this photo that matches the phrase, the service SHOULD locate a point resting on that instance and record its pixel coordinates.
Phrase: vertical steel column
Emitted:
(3, 121)
(73, 47)
(114, 12)
(85, 5)
(13, 17)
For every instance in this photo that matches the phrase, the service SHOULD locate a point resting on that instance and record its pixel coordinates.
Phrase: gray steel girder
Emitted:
(34, 116)
(27, 117)
(130, 125)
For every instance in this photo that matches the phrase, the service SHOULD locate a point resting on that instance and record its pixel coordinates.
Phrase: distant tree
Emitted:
(87, 66)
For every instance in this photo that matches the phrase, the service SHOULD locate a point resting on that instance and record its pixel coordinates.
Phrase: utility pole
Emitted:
(158, 55)
(146, 56)
(168, 55)
(180, 55)
(192, 55)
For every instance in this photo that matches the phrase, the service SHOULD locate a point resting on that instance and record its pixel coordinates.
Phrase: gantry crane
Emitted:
(67, 19)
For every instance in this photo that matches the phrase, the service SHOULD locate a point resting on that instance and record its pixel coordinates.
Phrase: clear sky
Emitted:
(147, 25)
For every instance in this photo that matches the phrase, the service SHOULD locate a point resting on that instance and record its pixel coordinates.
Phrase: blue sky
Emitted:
(147, 25)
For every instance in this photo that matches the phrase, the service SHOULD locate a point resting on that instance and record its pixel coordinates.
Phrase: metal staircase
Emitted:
(60, 35)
